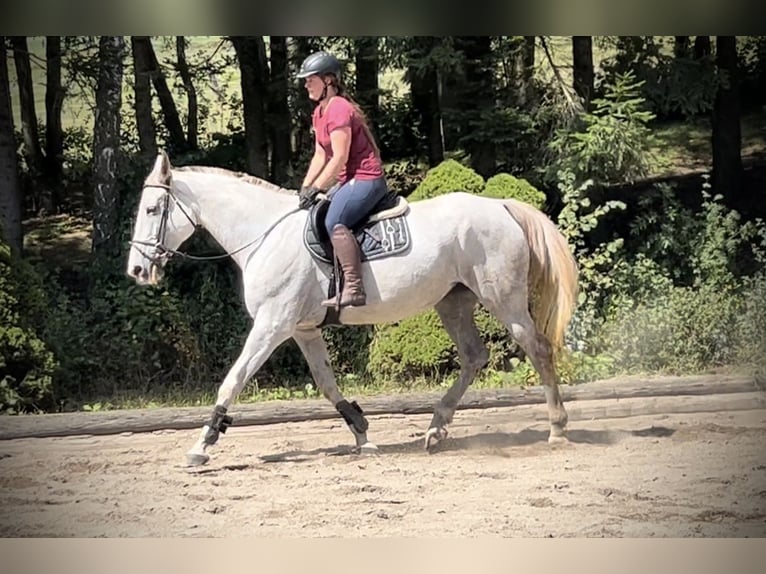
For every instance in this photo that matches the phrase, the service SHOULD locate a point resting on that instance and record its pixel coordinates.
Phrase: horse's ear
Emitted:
(161, 169)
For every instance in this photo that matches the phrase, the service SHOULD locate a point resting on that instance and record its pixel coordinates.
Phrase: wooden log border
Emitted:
(274, 412)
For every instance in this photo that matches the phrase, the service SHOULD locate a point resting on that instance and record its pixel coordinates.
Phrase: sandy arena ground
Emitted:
(698, 474)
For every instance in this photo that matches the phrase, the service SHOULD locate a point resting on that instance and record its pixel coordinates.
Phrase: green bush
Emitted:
(26, 365)
(417, 346)
(681, 331)
(447, 177)
(505, 186)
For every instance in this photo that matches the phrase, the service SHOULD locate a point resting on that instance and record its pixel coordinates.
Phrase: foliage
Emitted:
(576, 220)
(26, 364)
(671, 85)
(612, 143)
(395, 129)
(504, 185)
(447, 177)
(416, 346)
(403, 177)
(709, 315)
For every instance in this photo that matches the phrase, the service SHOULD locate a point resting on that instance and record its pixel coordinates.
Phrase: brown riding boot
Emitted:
(349, 257)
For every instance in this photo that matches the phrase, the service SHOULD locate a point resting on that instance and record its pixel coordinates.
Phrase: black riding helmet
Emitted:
(320, 63)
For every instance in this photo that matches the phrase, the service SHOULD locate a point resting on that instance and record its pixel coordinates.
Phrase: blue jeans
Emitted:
(353, 201)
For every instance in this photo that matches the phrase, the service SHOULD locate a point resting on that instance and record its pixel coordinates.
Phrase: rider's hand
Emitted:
(307, 196)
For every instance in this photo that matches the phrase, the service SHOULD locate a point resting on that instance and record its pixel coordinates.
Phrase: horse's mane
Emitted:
(237, 175)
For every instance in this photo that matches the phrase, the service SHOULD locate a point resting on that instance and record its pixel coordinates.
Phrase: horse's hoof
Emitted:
(434, 435)
(196, 458)
(369, 448)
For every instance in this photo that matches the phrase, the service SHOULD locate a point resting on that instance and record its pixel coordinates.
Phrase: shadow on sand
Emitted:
(495, 441)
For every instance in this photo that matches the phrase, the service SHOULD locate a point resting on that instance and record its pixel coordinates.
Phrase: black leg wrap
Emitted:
(353, 415)
(218, 424)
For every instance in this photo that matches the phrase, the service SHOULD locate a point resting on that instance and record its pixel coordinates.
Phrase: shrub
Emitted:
(505, 186)
(447, 177)
(26, 365)
(415, 346)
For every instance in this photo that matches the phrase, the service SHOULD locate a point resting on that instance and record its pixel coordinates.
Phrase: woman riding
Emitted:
(345, 154)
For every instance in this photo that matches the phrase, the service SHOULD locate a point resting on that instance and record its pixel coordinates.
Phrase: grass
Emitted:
(350, 386)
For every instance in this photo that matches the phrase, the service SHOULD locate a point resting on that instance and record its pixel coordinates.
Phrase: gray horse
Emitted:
(464, 249)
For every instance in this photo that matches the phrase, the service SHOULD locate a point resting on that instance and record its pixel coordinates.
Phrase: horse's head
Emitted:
(162, 225)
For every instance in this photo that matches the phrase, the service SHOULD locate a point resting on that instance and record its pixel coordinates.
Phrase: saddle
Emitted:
(384, 232)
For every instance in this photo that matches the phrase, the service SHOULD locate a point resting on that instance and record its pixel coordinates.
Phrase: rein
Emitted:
(164, 252)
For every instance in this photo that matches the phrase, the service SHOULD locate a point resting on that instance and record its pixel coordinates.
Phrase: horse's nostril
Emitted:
(137, 270)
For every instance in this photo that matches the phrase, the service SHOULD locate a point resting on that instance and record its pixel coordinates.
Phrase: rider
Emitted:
(345, 152)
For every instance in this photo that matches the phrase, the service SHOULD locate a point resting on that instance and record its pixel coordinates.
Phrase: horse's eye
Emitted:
(152, 210)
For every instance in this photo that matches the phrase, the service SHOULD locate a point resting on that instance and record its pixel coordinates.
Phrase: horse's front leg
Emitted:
(265, 336)
(314, 350)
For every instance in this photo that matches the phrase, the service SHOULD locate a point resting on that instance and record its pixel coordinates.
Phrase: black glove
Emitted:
(307, 196)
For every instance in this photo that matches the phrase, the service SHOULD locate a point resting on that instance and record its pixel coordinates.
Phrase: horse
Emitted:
(454, 251)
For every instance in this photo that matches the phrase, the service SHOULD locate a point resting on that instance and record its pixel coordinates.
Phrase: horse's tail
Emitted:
(552, 272)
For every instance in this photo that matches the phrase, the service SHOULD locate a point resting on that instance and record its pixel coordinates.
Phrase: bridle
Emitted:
(156, 241)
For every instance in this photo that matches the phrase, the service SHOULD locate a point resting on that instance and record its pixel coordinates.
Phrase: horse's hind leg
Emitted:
(314, 349)
(517, 319)
(456, 313)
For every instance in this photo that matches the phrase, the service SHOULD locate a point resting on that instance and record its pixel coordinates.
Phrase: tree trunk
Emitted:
(54, 134)
(367, 65)
(582, 58)
(702, 47)
(279, 111)
(681, 47)
(147, 136)
(251, 54)
(304, 141)
(177, 139)
(425, 94)
(477, 95)
(32, 149)
(106, 147)
(191, 93)
(528, 70)
(727, 140)
(10, 190)
(520, 69)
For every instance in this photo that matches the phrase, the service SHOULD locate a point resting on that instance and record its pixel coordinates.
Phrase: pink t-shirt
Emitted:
(362, 162)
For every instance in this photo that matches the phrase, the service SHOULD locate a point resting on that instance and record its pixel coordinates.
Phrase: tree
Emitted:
(147, 137)
(702, 47)
(299, 48)
(177, 140)
(367, 67)
(191, 93)
(681, 46)
(32, 148)
(425, 93)
(477, 96)
(727, 137)
(10, 191)
(279, 110)
(54, 134)
(251, 54)
(582, 59)
(106, 146)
